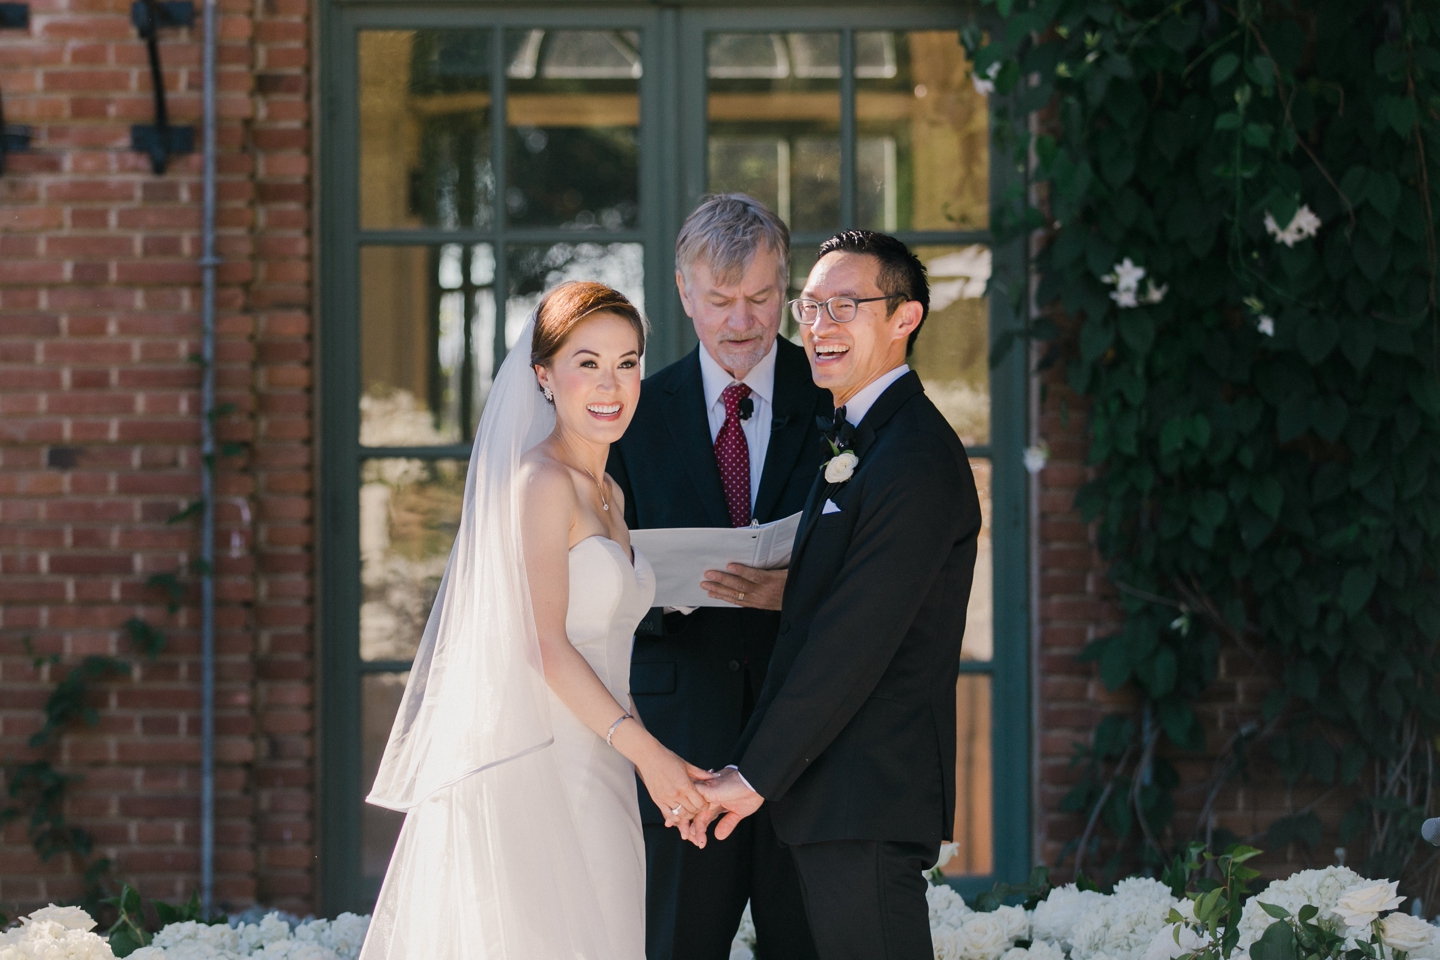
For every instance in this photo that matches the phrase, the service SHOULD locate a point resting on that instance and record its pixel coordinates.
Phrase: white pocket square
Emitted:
(829, 508)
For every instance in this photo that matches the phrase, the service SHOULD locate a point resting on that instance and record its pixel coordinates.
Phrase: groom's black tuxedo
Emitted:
(852, 742)
(696, 678)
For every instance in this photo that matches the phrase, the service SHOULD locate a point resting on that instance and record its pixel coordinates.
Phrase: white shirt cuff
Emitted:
(742, 779)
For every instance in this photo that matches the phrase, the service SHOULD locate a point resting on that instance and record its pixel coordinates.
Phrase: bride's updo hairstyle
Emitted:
(566, 306)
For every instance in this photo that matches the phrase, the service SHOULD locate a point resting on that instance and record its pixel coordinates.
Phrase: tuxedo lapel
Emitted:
(875, 419)
(792, 413)
(690, 430)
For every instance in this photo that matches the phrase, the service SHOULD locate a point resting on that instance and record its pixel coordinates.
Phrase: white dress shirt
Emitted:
(761, 381)
(861, 403)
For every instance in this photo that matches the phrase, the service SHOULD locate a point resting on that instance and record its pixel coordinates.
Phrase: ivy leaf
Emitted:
(1328, 415)
(1268, 495)
(1095, 338)
(1357, 343)
(1399, 112)
(1137, 329)
(1222, 68)
(1316, 337)
(1382, 191)
(1356, 588)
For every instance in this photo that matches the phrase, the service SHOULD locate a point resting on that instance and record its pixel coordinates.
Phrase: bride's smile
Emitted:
(594, 379)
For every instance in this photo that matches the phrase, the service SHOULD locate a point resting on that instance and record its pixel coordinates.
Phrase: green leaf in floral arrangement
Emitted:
(1268, 495)
(1228, 121)
(1222, 68)
(1137, 329)
(1398, 112)
(1276, 943)
(1356, 588)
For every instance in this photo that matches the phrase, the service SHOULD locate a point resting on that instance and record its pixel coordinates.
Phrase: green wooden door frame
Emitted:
(672, 178)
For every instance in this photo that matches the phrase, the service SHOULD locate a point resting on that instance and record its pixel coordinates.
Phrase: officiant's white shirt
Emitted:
(761, 381)
(861, 403)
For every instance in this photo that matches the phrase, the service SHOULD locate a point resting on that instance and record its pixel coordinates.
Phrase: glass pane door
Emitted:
(873, 123)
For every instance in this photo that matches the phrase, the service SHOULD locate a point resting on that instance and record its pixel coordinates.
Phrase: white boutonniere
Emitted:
(841, 467)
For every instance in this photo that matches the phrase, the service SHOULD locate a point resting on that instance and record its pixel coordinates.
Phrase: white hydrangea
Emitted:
(1055, 917)
(1122, 925)
(344, 935)
(1038, 950)
(1323, 888)
(1301, 226)
(54, 933)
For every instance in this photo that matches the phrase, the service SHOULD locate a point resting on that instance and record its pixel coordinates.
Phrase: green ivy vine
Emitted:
(36, 789)
(1240, 279)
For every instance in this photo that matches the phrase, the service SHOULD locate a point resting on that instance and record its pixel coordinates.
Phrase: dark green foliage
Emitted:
(132, 930)
(1270, 493)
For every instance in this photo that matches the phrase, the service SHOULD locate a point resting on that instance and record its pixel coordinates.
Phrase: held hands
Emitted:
(724, 791)
(746, 586)
(672, 784)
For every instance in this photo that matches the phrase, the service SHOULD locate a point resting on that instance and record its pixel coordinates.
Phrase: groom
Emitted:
(851, 747)
(723, 436)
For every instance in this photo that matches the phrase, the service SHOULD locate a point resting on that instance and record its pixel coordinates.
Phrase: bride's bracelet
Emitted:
(609, 735)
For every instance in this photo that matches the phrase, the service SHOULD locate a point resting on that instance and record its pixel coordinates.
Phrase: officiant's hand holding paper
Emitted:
(747, 586)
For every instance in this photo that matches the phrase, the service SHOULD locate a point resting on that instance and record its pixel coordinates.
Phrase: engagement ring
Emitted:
(739, 596)
(675, 812)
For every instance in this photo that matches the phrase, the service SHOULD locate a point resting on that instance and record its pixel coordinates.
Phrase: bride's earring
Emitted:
(549, 397)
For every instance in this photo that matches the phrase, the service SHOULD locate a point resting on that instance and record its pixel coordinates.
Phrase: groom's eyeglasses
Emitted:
(841, 309)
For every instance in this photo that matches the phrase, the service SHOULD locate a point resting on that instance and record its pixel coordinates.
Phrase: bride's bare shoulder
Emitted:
(543, 479)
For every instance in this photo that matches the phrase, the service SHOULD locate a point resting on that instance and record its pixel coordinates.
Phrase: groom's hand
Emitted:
(747, 586)
(727, 792)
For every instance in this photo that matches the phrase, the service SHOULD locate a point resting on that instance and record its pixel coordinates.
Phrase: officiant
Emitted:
(723, 437)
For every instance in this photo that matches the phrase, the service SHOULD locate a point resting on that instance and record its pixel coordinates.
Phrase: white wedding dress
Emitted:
(522, 832)
(462, 875)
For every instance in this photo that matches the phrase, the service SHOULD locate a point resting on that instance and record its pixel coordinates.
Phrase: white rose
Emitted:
(983, 937)
(1400, 931)
(1016, 921)
(1360, 907)
(841, 467)
(71, 918)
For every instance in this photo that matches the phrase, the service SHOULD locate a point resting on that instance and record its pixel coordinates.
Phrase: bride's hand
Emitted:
(671, 784)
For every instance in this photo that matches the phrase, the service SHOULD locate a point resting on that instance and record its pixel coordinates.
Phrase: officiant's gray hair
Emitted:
(725, 232)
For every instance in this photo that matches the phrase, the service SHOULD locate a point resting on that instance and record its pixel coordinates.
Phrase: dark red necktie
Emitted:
(732, 453)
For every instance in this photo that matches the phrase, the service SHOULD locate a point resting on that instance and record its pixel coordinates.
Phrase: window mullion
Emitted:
(501, 285)
(847, 129)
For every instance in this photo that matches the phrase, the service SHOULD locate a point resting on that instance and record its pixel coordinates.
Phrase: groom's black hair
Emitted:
(901, 273)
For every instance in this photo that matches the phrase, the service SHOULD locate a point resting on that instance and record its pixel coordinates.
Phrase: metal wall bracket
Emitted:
(14, 137)
(160, 140)
(169, 13)
(14, 16)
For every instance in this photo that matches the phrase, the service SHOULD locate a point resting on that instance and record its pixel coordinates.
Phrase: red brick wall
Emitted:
(1077, 605)
(99, 422)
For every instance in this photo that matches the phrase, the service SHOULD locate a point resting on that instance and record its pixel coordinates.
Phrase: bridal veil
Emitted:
(488, 833)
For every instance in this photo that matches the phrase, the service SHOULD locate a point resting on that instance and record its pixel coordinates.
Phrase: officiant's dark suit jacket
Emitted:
(696, 681)
(853, 737)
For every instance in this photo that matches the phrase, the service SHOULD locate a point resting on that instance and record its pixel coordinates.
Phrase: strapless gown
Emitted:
(465, 880)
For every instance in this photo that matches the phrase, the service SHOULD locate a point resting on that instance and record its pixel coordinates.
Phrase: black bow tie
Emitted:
(836, 430)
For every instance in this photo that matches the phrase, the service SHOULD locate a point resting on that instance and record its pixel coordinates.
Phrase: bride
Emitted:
(516, 744)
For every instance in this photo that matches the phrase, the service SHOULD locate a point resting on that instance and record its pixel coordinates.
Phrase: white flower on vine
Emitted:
(1154, 294)
(986, 86)
(1036, 456)
(1125, 298)
(1125, 275)
(1266, 325)
(1302, 226)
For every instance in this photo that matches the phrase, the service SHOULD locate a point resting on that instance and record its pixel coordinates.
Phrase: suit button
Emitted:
(734, 664)
(785, 626)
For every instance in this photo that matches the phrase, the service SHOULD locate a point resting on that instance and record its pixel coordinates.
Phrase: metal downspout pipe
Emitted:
(208, 262)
